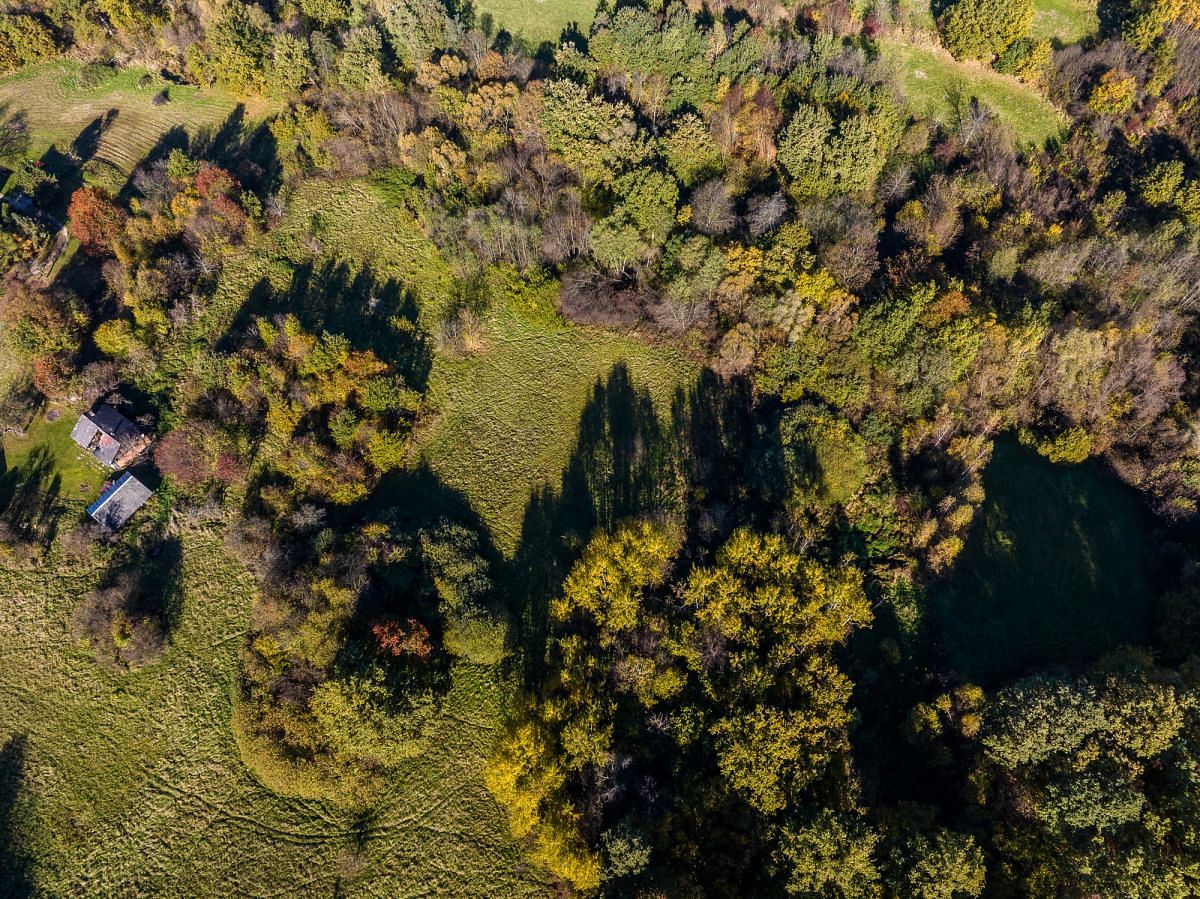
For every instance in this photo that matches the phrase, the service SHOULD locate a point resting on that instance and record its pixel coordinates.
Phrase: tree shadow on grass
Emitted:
(721, 455)
(624, 465)
(19, 408)
(373, 314)
(15, 862)
(14, 134)
(627, 463)
(81, 273)
(160, 583)
(68, 167)
(175, 138)
(29, 497)
(217, 144)
(130, 618)
(248, 153)
(396, 585)
(1056, 569)
(416, 498)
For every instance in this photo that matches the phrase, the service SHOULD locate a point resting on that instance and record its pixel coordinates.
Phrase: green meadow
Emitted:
(1065, 21)
(111, 116)
(131, 784)
(936, 85)
(535, 21)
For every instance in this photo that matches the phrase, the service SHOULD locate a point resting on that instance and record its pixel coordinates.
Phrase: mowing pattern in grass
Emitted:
(131, 784)
(535, 21)
(120, 117)
(935, 82)
(1067, 21)
(510, 414)
(1055, 569)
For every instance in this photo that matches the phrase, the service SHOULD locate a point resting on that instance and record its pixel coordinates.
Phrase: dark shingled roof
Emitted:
(119, 501)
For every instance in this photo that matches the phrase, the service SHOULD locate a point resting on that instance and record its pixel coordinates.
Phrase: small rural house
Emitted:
(119, 500)
(109, 436)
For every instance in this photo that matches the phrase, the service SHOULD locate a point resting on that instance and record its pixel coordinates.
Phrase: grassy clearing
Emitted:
(1066, 21)
(363, 246)
(116, 116)
(510, 414)
(131, 784)
(934, 83)
(348, 223)
(539, 20)
(1056, 569)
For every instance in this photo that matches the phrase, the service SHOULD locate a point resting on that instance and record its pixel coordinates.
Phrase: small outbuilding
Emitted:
(118, 501)
(110, 437)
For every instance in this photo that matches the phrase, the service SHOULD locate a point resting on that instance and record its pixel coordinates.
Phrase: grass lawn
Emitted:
(121, 120)
(932, 79)
(538, 20)
(1056, 569)
(49, 443)
(1067, 21)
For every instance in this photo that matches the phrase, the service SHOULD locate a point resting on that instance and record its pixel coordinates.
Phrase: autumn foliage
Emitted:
(395, 638)
(95, 219)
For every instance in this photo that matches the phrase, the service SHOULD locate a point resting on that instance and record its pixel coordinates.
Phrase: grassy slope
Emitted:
(538, 20)
(59, 109)
(131, 785)
(931, 77)
(352, 223)
(1055, 569)
(1067, 21)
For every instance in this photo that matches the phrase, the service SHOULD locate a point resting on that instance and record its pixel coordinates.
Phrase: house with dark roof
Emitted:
(110, 437)
(118, 501)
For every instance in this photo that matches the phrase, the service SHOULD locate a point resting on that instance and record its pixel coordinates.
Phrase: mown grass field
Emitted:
(123, 785)
(934, 83)
(131, 785)
(535, 21)
(117, 114)
(1056, 569)
(1066, 21)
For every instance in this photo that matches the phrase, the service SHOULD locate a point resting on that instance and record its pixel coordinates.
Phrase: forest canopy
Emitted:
(719, 640)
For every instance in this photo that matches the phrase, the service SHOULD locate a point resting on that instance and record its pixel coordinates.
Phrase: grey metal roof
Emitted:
(119, 501)
(84, 432)
(103, 431)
